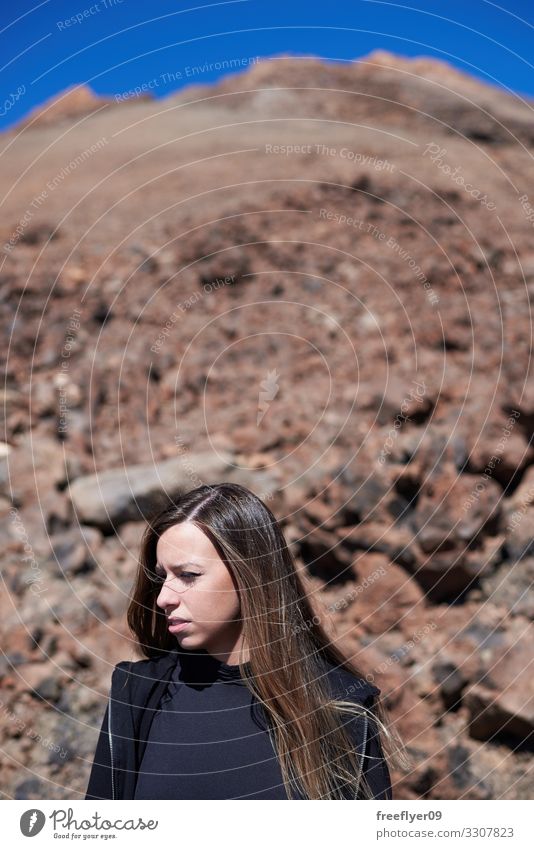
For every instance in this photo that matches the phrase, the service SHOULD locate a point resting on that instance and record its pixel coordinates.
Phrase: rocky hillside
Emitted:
(314, 279)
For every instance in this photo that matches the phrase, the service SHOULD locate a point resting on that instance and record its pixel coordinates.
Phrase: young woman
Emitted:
(242, 695)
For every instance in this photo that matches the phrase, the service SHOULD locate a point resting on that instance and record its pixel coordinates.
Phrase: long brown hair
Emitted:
(289, 650)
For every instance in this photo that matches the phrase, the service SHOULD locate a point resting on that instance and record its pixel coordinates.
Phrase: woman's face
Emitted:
(198, 587)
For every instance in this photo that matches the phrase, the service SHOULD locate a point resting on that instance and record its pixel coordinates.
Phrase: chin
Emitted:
(186, 638)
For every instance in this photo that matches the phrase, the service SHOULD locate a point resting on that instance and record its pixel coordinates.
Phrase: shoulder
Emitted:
(142, 674)
(145, 663)
(155, 660)
(345, 685)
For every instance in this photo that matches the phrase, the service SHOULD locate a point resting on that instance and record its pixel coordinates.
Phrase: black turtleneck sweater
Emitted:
(209, 740)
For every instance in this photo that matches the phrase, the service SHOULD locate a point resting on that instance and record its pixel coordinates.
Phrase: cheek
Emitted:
(216, 602)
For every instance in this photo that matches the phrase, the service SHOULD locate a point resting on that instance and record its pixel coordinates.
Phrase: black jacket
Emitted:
(135, 693)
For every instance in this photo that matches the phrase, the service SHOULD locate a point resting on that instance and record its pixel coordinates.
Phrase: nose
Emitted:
(168, 597)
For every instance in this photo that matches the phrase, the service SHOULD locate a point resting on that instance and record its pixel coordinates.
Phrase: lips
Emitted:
(175, 625)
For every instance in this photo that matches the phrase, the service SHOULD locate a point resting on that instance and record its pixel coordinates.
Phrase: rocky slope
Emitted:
(314, 279)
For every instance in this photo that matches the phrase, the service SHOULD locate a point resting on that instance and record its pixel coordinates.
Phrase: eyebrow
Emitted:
(179, 565)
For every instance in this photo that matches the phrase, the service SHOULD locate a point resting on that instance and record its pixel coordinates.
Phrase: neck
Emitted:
(237, 653)
(231, 658)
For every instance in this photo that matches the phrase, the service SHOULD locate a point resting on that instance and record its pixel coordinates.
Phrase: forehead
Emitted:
(184, 543)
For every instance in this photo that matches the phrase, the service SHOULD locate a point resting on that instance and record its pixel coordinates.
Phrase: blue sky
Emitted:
(115, 45)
